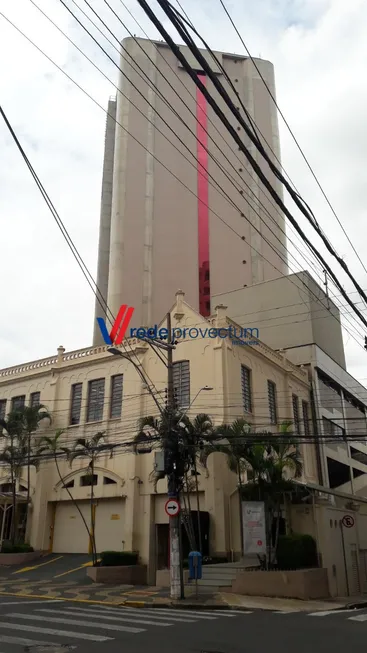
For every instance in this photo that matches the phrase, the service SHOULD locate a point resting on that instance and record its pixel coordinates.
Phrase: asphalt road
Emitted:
(54, 566)
(26, 623)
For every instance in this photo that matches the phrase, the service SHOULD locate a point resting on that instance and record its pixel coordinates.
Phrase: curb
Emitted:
(182, 606)
(353, 606)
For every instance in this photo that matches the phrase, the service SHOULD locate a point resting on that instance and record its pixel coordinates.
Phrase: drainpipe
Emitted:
(317, 436)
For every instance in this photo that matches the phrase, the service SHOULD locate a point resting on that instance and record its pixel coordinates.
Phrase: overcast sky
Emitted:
(319, 49)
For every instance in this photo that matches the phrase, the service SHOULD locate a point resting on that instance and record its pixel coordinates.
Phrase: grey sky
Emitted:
(319, 50)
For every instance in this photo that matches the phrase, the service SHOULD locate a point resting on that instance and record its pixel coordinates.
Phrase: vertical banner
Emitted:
(254, 529)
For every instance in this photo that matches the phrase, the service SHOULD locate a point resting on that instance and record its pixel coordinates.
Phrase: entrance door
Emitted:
(162, 534)
(110, 525)
(70, 533)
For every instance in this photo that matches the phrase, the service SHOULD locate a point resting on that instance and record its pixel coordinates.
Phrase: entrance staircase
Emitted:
(216, 577)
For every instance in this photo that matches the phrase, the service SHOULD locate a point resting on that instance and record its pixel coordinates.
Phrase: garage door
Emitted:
(70, 534)
(110, 525)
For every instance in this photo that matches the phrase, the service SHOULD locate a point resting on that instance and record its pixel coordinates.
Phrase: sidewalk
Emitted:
(157, 597)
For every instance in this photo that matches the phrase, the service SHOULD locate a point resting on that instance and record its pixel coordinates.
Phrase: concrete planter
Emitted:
(162, 578)
(18, 558)
(303, 584)
(134, 575)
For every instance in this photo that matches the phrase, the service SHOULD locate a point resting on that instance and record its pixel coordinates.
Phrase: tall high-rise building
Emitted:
(172, 215)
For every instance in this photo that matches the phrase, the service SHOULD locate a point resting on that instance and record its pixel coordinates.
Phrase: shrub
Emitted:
(7, 547)
(119, 558)
(296, 551)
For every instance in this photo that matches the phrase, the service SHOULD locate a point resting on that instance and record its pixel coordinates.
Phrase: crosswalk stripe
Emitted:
(75, 622)
(183, 613)
(148, 614)
(53, 631)
(22, 641)
(359, 617)
(326, 613)
(23, 602)
(79, 612)
(227, 613)
(285, 611)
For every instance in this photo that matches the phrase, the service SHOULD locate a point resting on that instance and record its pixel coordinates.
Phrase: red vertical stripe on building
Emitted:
(203, 200)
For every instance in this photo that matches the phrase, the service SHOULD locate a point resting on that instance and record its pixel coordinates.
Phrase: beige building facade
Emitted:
(294, 315)
(165, 219)
(90, 391)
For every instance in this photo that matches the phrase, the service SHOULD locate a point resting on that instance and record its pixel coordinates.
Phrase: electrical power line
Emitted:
(171, 13)
(292, 133)
(226, 195)
(73, 80)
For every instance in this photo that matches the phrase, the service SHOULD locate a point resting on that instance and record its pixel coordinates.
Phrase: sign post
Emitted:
(254, 530)
(195, 568)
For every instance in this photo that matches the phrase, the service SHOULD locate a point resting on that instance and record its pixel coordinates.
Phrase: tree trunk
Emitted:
(240, 504)
(92, 516)
(14, 505)
(70, 495)
(276, 533)
(28, 479)
(198, 506)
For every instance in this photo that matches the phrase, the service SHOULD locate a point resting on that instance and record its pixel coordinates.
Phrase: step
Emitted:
(220, 572)
(215, 582)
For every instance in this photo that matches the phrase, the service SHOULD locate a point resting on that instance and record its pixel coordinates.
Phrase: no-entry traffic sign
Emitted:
(172, 507)
(348, 521)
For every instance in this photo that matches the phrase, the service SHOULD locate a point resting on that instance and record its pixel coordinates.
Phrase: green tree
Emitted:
(273, 461)
(91, 449)
(180, 439)
(29, 417)
(14, 456)
(275, 464)
(52, 447)
(236, 445)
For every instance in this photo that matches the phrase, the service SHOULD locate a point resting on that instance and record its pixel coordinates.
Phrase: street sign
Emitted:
(254, 533)
(172, 507)
(348, 521)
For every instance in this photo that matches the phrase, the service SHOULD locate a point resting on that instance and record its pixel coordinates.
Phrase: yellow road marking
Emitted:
(62, 598)
(86, 564)
(20, 571)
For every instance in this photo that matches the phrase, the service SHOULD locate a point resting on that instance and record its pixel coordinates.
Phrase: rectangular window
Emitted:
(35, 399)
(2, 408)
(272, 398)
(95, 400)
(181, 383)
(116, 395)
(2, 411)
(246, 389)
(76, 403)
(17, 403)
(306, 419)
(297, 427)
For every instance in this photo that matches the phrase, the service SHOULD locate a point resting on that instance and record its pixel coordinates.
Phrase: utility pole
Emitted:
(326, 289)
(174, 522)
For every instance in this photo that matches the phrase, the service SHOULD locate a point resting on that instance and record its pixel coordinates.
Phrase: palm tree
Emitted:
(13, 455)
(92, 449)
(282, 463)
(51, 446)
(197, 434)
(237, 448)
(30, 418)
(180, 439)
(274, 461)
